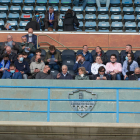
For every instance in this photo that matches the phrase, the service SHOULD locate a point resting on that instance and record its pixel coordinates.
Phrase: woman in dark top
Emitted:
(69, 21)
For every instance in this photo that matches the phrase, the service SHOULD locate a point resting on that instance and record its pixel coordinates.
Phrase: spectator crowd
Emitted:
(25, 61)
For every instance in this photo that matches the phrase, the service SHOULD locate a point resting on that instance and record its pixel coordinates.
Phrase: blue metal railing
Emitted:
(49, 100)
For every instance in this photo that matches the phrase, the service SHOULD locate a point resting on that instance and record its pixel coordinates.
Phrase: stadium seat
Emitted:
(130, 25)
(71, 72)
(102, 10)
(116, 26)
(23, 24)
(55, 8)
(79, 51)
(42, 16)
(63, 9)
(28, 9)
(1, 24)
(26, 17)
(80, 17)
(68, 55)
(90, 10)
(103, 25)
(17, 2)
(93, 52)
(128, 10)
(43, 53)
(139, 25)
(60, 30)
(129, 18)
(138, 18)
(91, 3)
(127, 3)
(66, 2)
(137, 54)
(12, 16)
(103, 30)
(15, 9)
(90, 25)
(41, 2)
(5, 2)
(53, 2)
(109, 52)
(62, 16)
(41, 9)
(117, 31)
(137, 10)
(13, 24)
(103, 17)
(80, 26)
(115, 3)
(29, 2)
(54, 73)
(78, 9)
(115, 10)
(130, 31)
(90, 17)
(90, 30)
(21, 29)
(68, 63)
(137, 3)
(3, 16)
(3, 9)
(116, 17)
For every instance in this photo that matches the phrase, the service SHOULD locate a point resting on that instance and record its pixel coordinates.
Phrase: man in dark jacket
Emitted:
(128, 49)
(12, 73)
(53, 57)
(45, 74)
(69, 21)
(34, 25)
(80, 62)
(14, 45)
(64, 74)
(27, 47)
(51, 19)
(12, 55)
(136, 75)
(22, 66)
(86, 54)
(31, 38)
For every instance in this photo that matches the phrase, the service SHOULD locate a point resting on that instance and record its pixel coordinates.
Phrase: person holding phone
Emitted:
(27, 47)
(101, 74)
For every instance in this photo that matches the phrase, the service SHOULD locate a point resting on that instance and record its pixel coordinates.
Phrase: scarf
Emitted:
(128, 65)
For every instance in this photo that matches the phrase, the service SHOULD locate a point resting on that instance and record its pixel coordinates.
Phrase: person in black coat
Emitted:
(34, 25)
(69, 21)
(64, 74)
(136, 75)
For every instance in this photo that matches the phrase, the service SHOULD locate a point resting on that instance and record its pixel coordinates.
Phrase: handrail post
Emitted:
(48, 106)
(117, 105)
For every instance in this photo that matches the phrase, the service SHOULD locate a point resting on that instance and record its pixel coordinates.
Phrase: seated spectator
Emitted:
(36, 66)
(82, 74)
(95, 66)
(14, 45)
(12, 55)
(27, 47)
(37, 52)
(64, 74)
(76, 3)
(25, 56)
(101, 74)
(37, 18)
(53, 57)
(136, 75)
(31, 38)
(51, 19)
(99, 52)
(129, 66)
(80, 62)
(99, 2)
(7, 26)
(114, 68)
(128, 49)
(4, 64)
(86, 54)
(45, 74)
(34, 25)
(69, 21)
(50, 29)
(13, 73)
(22, 66)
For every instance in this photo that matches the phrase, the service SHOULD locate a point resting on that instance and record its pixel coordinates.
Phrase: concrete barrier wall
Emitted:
(65, 105)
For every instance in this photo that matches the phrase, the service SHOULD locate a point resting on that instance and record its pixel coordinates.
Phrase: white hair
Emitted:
(64, 66)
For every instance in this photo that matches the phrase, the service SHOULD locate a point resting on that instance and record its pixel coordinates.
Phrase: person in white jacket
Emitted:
(95, 66)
